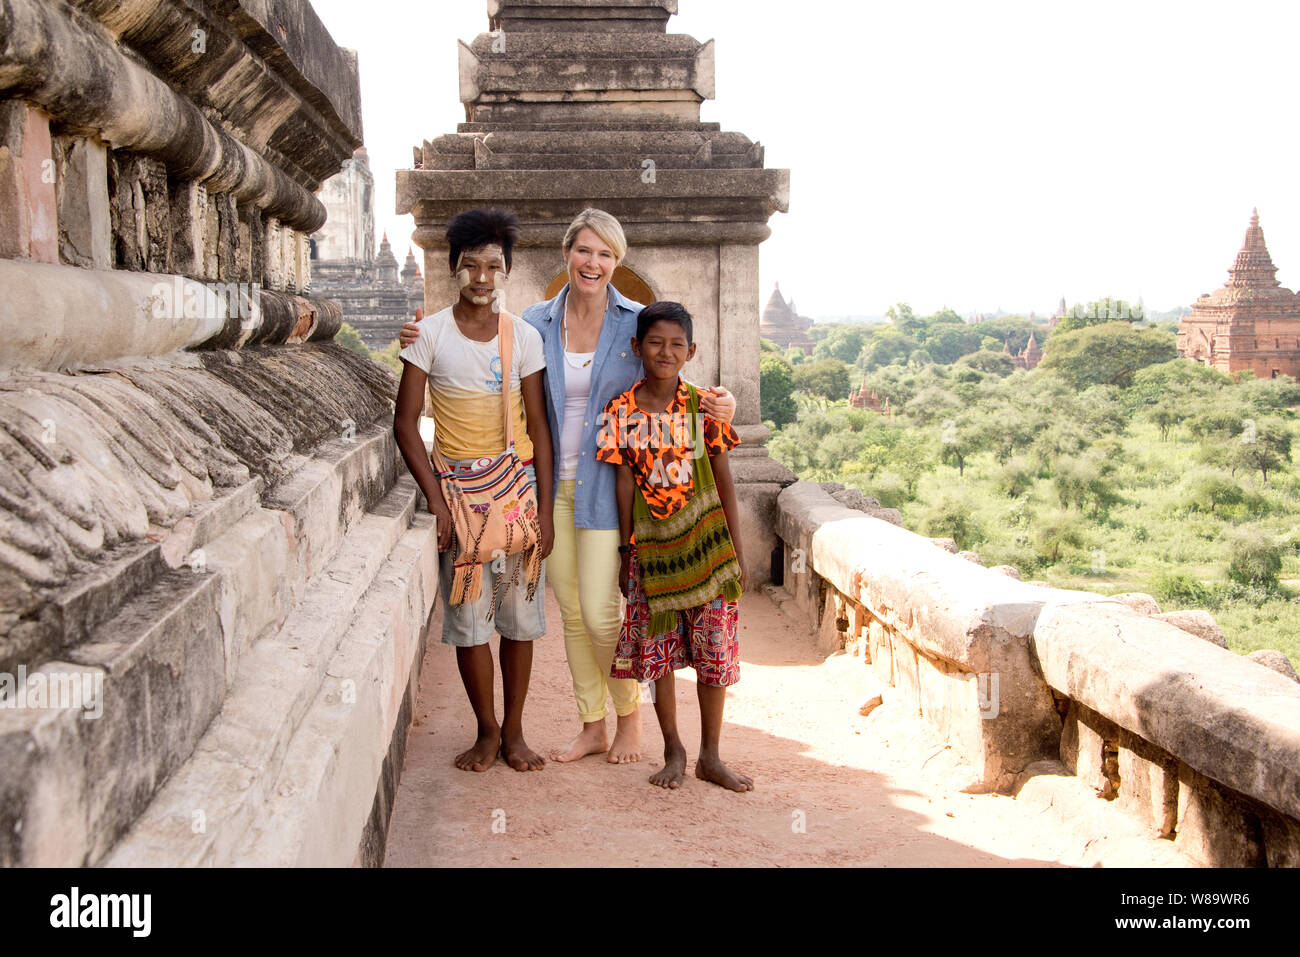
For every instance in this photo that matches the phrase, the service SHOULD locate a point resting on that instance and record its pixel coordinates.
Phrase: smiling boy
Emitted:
(457, 354)
(681, 569)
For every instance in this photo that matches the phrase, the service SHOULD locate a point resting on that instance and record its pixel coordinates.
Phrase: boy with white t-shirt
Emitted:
(457, 355)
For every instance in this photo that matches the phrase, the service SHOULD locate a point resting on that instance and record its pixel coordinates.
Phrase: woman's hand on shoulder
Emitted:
(411, 331)
(717, 403)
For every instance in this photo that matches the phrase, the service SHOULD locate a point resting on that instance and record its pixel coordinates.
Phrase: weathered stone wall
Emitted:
(215, 575)
(1199, 744)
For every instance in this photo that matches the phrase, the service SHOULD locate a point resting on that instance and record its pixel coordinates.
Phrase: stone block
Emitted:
(1139, 602)
(1148, 788)
(758, 537)
(1217, 827)
(15, 214)
(164, 654)
(1222, 715)
(834, 621)
(1196, 622)
(274, 271)
(39, 177)
(882, 654)
(1009, 570)
(1276, 661)
(189, 210)
(211, 251)
(1281, 841)
(84, 223)
(227, 236)
(302, 261)
(43, 787)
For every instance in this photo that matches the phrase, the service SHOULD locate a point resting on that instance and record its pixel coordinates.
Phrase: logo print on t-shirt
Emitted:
(494, 385)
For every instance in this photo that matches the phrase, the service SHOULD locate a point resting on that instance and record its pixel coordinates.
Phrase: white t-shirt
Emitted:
(577, 389)
(465, 380)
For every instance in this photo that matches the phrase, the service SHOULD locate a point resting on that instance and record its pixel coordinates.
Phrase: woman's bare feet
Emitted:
(519, 755)
(627, 739)
(482, 755)
(592, 739)
(712, 769)
(674, 768)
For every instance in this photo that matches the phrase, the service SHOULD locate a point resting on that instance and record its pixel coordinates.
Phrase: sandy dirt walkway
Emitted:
(831, 787)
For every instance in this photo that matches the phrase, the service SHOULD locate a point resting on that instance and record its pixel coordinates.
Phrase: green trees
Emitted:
(1263, 446)
(1208, 491)
(989, 362)
(1109, 353)
(349, 338)
(1135, 484)
(843, 343)
(827, 378)
(1255, 560)
(1098, 313)
(776, 391)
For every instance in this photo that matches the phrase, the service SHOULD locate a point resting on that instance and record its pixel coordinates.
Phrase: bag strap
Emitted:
(505, 345)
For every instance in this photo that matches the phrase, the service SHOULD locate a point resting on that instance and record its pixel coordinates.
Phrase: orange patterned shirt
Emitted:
(658, 446)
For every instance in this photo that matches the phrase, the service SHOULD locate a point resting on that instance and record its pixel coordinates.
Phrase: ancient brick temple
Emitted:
(784, 326)
(346, 268)
(1252, 323)
(575, 103)
(1026, 358)
(214, 580)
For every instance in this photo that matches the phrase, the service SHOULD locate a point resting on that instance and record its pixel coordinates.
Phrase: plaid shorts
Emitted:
(705, 639)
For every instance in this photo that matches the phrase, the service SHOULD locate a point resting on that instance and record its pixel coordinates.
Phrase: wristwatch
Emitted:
(624, 549)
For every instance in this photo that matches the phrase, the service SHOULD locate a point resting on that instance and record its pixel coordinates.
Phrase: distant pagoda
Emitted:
(782, 325)
(1252, 323)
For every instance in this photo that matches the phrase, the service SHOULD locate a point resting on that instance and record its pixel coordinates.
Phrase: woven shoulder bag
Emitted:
(493, 508)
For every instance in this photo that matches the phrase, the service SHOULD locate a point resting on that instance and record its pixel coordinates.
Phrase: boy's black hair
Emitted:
(476, 228)
(664, 312)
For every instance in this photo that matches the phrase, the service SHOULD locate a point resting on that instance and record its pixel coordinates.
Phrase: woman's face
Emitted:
(590, 263)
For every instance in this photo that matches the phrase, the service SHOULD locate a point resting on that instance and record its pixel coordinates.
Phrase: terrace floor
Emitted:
(831, 787)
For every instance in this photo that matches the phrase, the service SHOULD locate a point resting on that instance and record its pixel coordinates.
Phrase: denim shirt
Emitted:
(615, 369)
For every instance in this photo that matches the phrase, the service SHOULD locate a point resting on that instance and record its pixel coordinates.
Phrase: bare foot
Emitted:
(627, 739)
(712, 769)
(590, 740)
(674, 768)
(517, 754)
(482, 756)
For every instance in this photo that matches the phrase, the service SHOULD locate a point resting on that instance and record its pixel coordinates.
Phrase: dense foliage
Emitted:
(1114, 466)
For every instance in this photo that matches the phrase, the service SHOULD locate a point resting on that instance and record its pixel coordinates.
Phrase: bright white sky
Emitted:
(977, 154)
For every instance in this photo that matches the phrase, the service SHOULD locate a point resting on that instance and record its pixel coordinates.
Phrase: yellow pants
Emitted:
(583, 570)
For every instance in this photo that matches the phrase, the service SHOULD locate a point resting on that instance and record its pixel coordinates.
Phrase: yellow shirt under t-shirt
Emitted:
(465, 381)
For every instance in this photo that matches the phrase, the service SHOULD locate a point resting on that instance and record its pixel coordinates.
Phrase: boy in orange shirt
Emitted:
(681, 569)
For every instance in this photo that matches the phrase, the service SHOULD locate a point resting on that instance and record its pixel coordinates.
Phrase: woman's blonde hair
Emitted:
(603, 225)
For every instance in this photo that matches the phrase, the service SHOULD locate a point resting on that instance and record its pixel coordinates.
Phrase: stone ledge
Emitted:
(953, 637)
(257, 60)
(86, 82)
(278, 681)
(318, 809)
(44, 309)
(1218, 713)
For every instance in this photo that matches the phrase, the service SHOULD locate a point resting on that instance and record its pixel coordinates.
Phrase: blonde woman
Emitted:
(587, 330)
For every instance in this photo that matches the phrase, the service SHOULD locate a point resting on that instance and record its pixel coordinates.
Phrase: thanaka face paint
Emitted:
(489, 270)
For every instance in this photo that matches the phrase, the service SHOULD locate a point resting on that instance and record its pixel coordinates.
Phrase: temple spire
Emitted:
(1253, 266)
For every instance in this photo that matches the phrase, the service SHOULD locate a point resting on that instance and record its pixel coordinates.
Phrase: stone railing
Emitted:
(215, 575)
(1198, 743)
